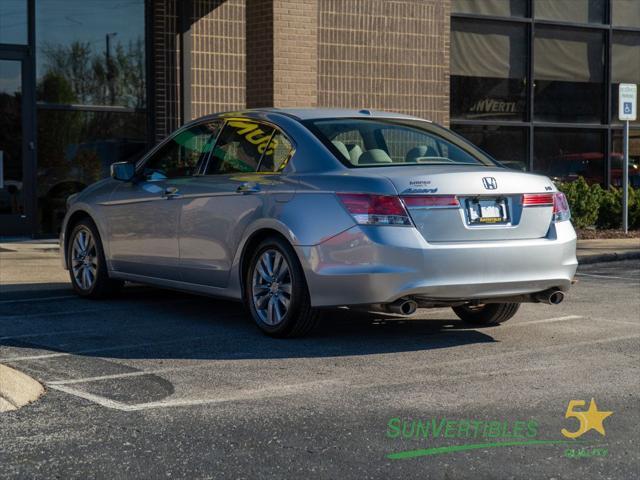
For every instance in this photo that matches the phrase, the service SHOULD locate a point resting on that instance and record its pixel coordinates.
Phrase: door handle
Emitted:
(1, 169)
(248, 188)
(171, 192)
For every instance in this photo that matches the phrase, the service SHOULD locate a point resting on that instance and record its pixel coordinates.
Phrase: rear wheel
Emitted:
(487, 314)
(276, 291)
(87, 265)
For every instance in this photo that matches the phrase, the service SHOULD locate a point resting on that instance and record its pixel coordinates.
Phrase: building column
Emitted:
(282, 53)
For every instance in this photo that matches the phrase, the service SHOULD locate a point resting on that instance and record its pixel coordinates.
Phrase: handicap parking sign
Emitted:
(628, 96)
(628, 108)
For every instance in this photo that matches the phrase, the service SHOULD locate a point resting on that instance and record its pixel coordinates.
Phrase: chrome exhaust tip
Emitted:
(556, 297)
(551, 297)
(402, 307)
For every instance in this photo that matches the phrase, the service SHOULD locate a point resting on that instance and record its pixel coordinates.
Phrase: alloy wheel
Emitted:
(271, 287)
(84, 259)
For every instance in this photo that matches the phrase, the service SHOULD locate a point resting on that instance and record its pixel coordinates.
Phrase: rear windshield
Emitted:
(379, 143)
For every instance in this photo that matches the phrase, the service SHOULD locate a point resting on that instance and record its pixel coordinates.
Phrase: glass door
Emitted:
(15, 187)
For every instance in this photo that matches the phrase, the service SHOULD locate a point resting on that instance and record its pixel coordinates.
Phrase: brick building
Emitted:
(84, 84)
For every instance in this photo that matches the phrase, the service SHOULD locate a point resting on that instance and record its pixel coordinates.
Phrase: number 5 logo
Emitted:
(588, 419)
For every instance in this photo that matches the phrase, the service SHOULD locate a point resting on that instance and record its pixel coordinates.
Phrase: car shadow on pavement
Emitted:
(149, 323)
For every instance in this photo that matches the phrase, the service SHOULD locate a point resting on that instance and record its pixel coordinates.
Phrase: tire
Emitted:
(96, 282)
(489, 314)
(276, 291)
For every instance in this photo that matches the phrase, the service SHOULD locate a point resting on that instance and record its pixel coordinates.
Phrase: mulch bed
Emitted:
(592, 234)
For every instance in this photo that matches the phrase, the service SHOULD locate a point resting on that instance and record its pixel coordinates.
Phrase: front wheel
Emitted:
(488, 314)
(87, 265)
(276, 291)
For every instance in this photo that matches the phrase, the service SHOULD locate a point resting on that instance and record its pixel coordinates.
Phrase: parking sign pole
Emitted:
(627, 112)
(625, 179)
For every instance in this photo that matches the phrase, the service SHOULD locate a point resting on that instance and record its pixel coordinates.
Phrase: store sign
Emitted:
(628, 106)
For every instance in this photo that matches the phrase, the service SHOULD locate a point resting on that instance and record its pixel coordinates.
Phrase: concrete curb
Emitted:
(17, 389)
(608, 257)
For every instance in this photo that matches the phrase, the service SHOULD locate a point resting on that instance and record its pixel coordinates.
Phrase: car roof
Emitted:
(302, 114)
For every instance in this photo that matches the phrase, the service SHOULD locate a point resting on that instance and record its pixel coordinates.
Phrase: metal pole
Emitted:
(625, 178)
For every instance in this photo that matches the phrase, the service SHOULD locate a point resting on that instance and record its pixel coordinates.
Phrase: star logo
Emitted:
(590, 419)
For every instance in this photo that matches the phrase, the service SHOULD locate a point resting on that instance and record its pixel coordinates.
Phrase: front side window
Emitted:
(240, 147)
(183, 154)
(394, 143)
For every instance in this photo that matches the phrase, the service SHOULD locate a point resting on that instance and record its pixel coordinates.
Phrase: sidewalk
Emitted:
(608, 250)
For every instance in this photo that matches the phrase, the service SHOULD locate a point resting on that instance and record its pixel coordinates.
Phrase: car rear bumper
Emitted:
(372, 265)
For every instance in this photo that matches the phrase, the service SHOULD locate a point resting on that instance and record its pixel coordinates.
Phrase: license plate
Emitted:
(487, 211)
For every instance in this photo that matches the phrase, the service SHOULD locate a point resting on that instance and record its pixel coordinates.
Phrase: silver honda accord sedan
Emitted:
(293, 211)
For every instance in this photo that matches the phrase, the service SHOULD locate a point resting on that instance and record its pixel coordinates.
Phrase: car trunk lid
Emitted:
(489, 202)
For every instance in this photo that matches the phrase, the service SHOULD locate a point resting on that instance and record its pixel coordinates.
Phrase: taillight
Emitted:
(561, 210)
(431, 201)
(537, 199)
(557, 200)
(367, 209)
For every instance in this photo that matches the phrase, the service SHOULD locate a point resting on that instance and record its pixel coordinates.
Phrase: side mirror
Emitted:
(123, 171)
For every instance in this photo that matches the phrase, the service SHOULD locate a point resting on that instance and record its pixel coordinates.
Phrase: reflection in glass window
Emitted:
(508, 145)
(625, 13)
(569, 75)
(11, 193)
(579, 11)
(625, 65)
(76, 149)
(502, 8)
(565, 154)
(239, 147)
(488, 70)
(90, 52)
(277, 155)
(617, 158)
(13, 22)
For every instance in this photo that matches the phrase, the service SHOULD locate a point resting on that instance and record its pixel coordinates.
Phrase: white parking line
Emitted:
(39, 299)
(248, 394)
(284, 390)
(65, 312)
(545, 320)
(103, 349)
(48, 334)
(605, 276)
(117, 376)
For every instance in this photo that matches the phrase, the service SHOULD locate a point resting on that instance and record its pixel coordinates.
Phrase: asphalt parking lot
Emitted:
(157, 384)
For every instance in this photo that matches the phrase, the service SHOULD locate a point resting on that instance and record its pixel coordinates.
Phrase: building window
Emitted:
(625, 13)
(625, 66)
(91, 94)
(90, 53)
(500, 8)
(569, 75)
(488, 70)
(617, 157)
(508, 145)
(13, 22)
(574, 11)
(566, 154)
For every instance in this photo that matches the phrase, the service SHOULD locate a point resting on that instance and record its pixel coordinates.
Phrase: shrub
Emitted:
(610, 211)
(584, 201)
(592, 205)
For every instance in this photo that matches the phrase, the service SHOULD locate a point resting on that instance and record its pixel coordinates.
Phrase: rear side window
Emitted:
(277, 154)
(239, 147)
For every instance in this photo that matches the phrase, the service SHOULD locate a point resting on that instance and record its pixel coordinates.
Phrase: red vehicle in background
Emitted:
(590, 165)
